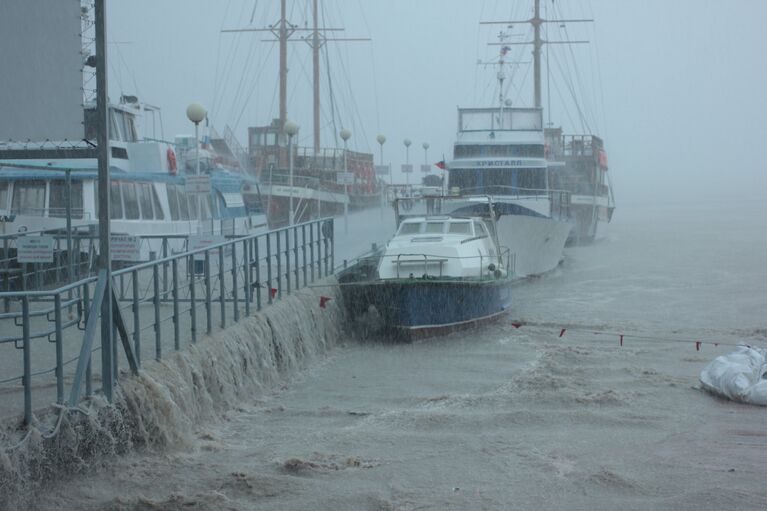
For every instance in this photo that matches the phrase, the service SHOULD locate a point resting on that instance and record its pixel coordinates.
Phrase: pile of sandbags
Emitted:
(740, 376)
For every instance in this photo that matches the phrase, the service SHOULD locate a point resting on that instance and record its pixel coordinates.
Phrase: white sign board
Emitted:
(382, 170)
(197, 184)
(425, 168)
(201, 241)
(125, 248)
(407, 168)
(34, 249)
(344, 178)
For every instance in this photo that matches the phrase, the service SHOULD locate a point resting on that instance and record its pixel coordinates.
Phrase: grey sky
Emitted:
(680, 104)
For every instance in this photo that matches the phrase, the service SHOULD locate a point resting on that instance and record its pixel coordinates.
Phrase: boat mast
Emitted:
(283, 37)
(536, 21)
(316, 73)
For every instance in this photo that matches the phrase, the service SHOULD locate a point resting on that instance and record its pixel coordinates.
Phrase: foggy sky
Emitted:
(676, 89)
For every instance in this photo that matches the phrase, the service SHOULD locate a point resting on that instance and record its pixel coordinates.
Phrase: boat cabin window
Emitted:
(410, 228)
(115, 202)
(183, 205)
(508, 181)
(435, 227)
(193, 202)
(29, 197)
(59, 193)
(459, 228)
(479, 229)
(172, 201)
(145, 199)
(213, 206)
(158, 212)
(3, 196)
(130, 201)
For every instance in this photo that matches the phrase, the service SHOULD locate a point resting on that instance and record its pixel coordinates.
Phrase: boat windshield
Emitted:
(410, 228)
(460, 228)
(435, 227)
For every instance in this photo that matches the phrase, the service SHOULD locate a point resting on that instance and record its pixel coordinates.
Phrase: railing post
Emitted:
(164, 265)
(136, 319)
(332, 246)
(319, 250)
(279, 264)
(235, 293)
(208, 297)
(296, 281)
(269, 297)
(303, 252)
(246, 266)
(59, 349)
(257, 262)
(311, 249)
(27, 361)
(176, 322)
(192, 295)
(157, 335)
(88, 368)
(287, 259)
(221, 286)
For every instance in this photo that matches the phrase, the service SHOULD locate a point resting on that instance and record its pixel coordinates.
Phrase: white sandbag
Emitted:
(739, 376)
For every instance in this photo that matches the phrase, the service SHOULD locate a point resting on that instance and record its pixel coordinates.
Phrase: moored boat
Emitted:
(438, 273)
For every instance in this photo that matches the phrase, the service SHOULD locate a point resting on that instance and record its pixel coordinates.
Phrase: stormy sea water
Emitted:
(503, 417)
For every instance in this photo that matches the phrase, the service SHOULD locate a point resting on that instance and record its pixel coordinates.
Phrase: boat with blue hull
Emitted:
(439, 273)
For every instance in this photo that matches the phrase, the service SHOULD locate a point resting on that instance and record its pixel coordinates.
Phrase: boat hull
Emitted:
(536, 242)
(418, 308)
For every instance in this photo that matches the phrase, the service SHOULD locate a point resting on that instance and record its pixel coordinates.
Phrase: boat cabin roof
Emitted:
(442, 225)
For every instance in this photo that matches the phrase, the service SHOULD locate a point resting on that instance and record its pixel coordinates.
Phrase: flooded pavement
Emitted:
(504, 417)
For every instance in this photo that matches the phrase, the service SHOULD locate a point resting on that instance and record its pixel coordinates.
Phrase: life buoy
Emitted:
(171, 162)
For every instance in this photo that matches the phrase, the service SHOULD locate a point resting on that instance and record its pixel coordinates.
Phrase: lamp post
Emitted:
(345, 136)
(291, 129)
(407, 143)
(425, 146)
(196, 113)
(381, 139)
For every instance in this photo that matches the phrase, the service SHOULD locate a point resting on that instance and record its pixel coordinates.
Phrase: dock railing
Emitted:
(47, 338)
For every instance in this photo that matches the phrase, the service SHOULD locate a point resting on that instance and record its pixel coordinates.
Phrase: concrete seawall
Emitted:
(160, 408)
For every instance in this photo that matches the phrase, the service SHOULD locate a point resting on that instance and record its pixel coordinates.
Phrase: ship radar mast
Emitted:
(536, 21)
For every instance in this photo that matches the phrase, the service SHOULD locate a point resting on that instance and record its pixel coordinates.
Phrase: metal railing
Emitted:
(158, 306)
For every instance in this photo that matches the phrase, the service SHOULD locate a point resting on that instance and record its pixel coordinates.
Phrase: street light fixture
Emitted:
(196, 113)
(291, 129)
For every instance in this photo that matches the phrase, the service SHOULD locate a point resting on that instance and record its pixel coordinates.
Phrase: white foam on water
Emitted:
(165, 405)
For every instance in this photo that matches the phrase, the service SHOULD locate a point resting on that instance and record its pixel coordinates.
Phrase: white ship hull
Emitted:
(536, 242)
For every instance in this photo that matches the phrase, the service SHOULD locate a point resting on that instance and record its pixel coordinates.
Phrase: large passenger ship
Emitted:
(500, 152)
(149, 197)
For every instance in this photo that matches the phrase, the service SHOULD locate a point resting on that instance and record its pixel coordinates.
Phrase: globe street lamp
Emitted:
(425, 146)
(291, 129)
(345, 136)
(195, 112)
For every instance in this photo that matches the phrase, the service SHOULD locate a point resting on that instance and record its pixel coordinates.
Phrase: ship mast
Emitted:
(536, 21)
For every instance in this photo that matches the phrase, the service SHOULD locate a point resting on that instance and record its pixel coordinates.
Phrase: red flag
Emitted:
(324, 300)
(440, 165)
(562, 332)
(697, 345)
(274, 292)
(516, 325)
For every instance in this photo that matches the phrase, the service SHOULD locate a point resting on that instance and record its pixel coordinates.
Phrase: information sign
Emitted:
(34, 249)
(197, 184)
(125, 248)
(407, 168)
